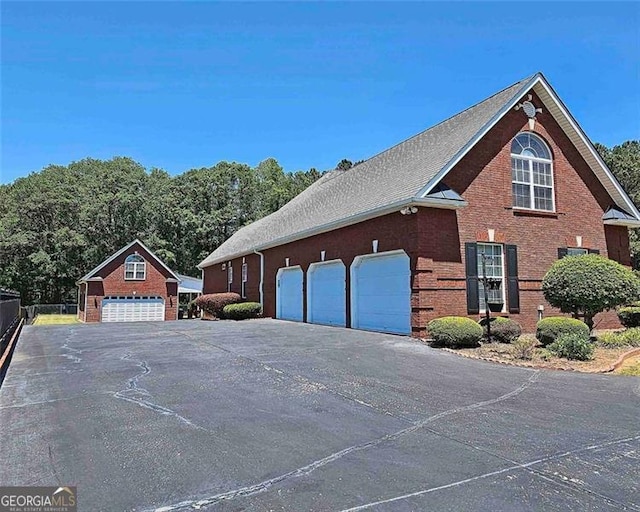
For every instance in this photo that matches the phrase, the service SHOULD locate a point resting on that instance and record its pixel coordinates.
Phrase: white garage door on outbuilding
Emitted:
(289, 294)
(381, 293)
(326, 293)
(132, 309)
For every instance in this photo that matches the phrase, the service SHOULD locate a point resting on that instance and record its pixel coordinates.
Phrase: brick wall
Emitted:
(434, 238)
(113, 283)
(483, 178)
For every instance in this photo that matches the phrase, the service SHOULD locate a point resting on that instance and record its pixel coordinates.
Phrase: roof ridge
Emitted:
(488, 98)
(389, 176)
(454, 115)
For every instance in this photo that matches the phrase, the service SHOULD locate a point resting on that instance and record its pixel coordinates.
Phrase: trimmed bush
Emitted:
(629, 316)
(588, 284)
(573, 346)
(242, 311)
(214, 303)
(524, 346)
(503, 330)
(628, 338)
(549, 329)
(455, 332)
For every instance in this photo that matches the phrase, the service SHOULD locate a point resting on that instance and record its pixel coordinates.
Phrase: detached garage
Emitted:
(131, 285)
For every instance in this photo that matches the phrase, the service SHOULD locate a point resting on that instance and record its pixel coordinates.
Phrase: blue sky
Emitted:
(180, 85)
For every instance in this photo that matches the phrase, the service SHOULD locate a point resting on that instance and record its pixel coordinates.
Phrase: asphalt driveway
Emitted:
(266, 415)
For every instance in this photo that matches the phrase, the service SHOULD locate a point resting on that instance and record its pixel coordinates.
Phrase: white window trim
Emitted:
(530, 183)
(136, 265)
(243, 291)
(229, 277)
(504, 291)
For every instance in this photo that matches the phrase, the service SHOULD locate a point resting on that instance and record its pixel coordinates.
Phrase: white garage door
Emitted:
(381, 293)
(326, 294)
(132, 309)
(289, 294)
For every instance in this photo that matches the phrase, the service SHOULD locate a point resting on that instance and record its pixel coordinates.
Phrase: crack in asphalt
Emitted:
(525, 466)
(135, 394)
(298, 377)
(75, 358)
(567, 483)
(309, 468)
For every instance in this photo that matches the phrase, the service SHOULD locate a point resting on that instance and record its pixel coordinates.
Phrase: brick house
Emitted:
(131, 285)
(400, 239)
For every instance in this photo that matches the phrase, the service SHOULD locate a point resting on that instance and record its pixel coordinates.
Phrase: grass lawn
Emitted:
(56, 319)
(630, 367)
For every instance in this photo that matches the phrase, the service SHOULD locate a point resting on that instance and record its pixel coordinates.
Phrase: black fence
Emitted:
(9, 313)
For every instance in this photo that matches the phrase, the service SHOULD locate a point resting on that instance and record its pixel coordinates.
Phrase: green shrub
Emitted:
(455, 332)
(629, 316)
(627, 338)
(611, 340)
(214, 303)
(549, 329)
(524, 346)
(503, 330)
(588, 284)
(242, 311)
(573, 346)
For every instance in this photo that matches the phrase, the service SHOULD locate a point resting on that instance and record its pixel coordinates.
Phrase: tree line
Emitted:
(60, 222)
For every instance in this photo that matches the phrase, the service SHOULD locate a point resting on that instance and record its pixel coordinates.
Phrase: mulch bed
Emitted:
(603, 359)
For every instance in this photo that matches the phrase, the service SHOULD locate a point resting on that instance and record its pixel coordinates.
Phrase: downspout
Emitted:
(261, 278)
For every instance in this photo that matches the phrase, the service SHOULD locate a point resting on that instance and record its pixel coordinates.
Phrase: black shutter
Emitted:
(471, 262)
(594, 251)
(562, 252)
(513, 287)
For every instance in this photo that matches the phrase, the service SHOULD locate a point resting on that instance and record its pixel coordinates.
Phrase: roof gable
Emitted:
(122, 251)
(574, 132)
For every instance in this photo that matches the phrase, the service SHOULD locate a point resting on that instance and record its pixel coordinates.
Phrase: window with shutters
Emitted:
(576, 251)
(494, 268)
(531, 173)
(135, 268)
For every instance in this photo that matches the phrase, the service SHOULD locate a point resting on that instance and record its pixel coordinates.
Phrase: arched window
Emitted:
(135, 267)
(531, 173)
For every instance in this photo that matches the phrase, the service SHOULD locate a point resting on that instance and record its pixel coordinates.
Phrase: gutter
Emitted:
(348, 221)
(261, 278)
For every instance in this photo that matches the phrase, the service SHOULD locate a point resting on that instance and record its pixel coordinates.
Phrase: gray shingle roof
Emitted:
(391, 177)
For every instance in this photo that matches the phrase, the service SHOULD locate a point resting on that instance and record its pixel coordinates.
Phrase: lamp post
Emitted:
(488, 283)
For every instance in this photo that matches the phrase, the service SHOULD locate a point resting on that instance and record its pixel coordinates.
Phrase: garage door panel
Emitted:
(381, 293)
(384, 284)
(129, 309)
(289, 294)
(326, 294)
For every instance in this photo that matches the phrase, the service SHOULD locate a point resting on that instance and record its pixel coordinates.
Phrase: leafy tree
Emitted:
(589, 284)
(344, 165)
(58, 223)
